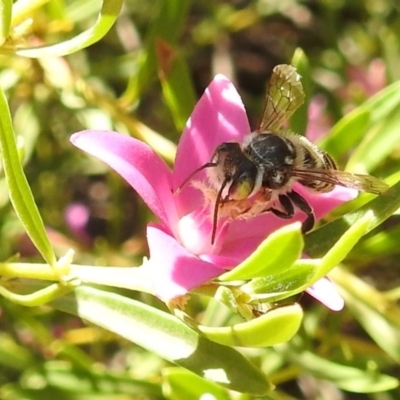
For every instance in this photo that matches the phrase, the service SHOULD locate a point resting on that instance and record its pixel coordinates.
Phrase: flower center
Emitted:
(195, 231)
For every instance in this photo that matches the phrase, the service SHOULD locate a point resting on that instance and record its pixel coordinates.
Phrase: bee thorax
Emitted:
(276, 178)
(275, 156)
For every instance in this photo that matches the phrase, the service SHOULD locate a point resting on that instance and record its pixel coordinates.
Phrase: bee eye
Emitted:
(241, 187)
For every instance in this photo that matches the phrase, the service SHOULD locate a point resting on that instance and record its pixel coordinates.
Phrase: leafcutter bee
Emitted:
(257, 175)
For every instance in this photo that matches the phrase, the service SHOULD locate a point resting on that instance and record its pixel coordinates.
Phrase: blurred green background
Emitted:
(118, 83)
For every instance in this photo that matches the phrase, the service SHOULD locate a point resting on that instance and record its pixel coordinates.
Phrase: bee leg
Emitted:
(301, 203)
(287, 206)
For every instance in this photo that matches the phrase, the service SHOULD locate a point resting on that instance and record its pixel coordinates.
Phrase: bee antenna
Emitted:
(183, 184)
(216, 207)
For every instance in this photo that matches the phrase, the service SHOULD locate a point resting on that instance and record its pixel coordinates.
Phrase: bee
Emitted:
(257, 175)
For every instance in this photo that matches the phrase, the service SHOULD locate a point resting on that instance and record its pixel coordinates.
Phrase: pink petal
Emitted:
(138, 164)
(325, 292)
(195, 231)
(324, 203)
(174, 270)
(219, 116)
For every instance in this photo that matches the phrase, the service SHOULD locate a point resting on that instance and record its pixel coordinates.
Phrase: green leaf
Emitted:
(275, 254)
(5, 19)
(347, 378)
(75, 379)
(305, 272)
(382, 331)
(281, 285)
(108, 14)
(276, 326)
(375, 311)
(318, 242)
(24, 9)
(12, 355)
(167, 336)
(338, 142)
(20, 193)
(370, 127)
(166, 26)
(26, 123)
(226, 296)
(181, 384)
(377, 144)
(299, 120)
(176, 83)
(337, 253)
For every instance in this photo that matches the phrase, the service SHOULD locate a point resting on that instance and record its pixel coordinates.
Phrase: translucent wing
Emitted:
(284, 96)
(363, 183)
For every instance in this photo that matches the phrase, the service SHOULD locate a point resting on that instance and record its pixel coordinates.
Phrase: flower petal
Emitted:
(219, 116)
(325, 292)
(138, 164)
(324, 203)
(174, 270)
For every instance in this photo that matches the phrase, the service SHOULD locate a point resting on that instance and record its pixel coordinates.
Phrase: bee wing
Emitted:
(284, 96)
(363, 183)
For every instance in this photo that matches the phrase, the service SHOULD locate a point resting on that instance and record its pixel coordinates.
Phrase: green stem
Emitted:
(41, 296)
(23, 9)
(133, 278)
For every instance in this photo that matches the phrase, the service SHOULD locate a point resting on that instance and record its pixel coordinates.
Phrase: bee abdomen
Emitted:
(328, 161)
(315, 158)
(317, 186)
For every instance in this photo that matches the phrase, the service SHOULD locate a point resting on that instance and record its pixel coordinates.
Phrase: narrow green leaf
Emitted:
(24, 9)
(339, 141)
(276, 326)
(319, 267)
(383, 332)
(365, 124)
(377, 144)
(5, 19)
(224, 295)
(347, 378)
(176, 83)
(275, 254)
(166, 336)
(299, 275)
(75, 379)
(343, 246)
(376, 311)
(318, 242)
(20, 193)
(26, 123)
(181, 384)
(109, 13)
(13, 355)
(166, 26)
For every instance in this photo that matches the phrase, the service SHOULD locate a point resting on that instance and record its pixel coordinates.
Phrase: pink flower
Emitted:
(181, 254)
(362, 82)
(319, 122)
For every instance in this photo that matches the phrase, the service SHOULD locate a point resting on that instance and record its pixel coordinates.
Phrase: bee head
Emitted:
(233, 175)
(233, 170)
